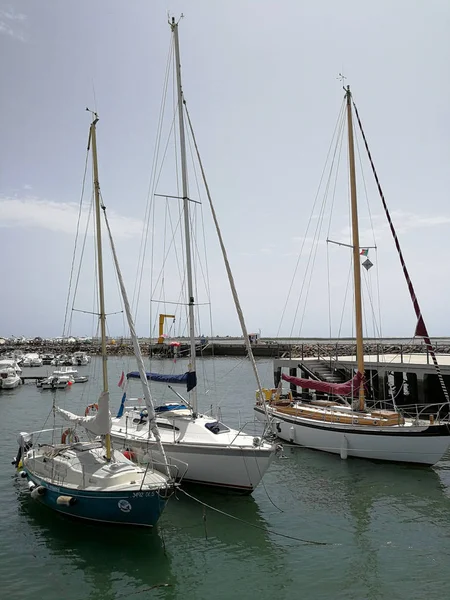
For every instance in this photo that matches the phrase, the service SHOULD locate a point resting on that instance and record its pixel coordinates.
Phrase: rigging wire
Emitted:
(205, 272)
(122, 311)
(228, 268)
(329, 226)
(80, 210)
(349, 276)
(420, 325)
(151, 185)
(180, 204)
(373, 235)
(313, 254)
(309, 222)
(83, 248)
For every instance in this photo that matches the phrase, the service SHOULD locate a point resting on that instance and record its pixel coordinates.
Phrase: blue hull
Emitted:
(120, 508)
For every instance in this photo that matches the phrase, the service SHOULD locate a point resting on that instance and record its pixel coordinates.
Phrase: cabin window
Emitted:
(167, 426)
(217, 427)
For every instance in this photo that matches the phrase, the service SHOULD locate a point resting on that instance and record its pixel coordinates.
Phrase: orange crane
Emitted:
(161, 326)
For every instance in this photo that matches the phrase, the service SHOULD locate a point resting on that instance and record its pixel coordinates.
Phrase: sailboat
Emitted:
(343, 423)
(89, 479)
(216, 454)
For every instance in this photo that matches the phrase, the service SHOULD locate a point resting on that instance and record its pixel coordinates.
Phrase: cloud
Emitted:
(403, 221)
(60, 217)
(8, 13)
(8, 16)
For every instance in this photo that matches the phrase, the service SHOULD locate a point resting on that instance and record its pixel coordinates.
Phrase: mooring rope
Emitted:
(265, 529)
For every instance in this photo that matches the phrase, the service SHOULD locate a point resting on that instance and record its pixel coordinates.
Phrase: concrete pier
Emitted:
(413, 375)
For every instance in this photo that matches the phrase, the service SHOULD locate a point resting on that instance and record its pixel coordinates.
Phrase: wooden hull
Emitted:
(422, 444)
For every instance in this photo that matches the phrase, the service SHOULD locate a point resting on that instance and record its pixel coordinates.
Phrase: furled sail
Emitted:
(339, 389)
(189, 378)
(98, 424)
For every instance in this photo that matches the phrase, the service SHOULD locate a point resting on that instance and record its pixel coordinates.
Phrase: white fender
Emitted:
(344, 447)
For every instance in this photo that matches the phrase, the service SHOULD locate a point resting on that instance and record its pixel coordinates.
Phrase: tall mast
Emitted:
(187, 232)
(101, 291)
(355, 241)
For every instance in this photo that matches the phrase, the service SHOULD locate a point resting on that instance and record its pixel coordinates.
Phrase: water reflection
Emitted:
(186, 514)
(110, 558)
(362, 484)
(381, 513)
(115, 560)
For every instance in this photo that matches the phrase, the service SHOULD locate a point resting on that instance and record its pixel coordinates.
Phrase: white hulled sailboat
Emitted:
(217, 455)
(350, 428)
(91, 480)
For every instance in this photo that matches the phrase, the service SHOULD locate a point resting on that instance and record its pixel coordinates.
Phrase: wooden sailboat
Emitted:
(91, 480)
(353, 429)
(217, 455)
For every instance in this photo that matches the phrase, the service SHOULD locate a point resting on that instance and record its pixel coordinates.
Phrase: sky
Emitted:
(261, 80)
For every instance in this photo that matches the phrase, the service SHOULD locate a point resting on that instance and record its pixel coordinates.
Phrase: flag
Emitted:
(364, 252)
(122, 406)
(121, 380)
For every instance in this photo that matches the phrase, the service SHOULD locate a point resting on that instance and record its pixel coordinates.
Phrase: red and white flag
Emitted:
(121, 380)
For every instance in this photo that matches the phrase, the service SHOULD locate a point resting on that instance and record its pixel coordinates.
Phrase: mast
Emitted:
(101, 291)
(187, 233)
(355, 241)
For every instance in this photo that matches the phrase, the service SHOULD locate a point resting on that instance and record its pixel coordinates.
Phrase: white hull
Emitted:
(32, 360)
(80, 362)
(65, 371)
(10, 383)
(57, 386)
(226, 460)
(423, 444)
(236, 469)
(10, 363)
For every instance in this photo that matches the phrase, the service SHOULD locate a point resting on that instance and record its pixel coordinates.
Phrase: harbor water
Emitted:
(318, 527)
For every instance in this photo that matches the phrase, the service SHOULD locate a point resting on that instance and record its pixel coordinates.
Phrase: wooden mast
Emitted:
(101, 291)
(187, 225)
(356, 249)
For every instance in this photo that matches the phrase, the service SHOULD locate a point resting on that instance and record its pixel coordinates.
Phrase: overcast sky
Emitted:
(261, 82)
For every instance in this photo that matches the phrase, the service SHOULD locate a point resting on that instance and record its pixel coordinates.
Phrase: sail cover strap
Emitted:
(340, 389)
(421, 329)
(189, 378)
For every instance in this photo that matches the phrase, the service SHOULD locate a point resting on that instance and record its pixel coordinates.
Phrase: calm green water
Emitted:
(387, 527)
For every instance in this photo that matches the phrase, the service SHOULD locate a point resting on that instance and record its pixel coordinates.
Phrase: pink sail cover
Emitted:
(339, 389)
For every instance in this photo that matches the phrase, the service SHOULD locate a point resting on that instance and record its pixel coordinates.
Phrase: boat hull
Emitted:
(238, 469)
(10, 384)
(415, 444)
(115, 507)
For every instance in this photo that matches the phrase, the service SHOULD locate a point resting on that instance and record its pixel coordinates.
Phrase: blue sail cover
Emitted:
(189, 378)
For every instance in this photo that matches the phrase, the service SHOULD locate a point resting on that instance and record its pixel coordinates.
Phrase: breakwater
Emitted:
(269, 348)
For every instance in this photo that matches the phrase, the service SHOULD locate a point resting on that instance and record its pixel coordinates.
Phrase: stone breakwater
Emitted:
(267, 348)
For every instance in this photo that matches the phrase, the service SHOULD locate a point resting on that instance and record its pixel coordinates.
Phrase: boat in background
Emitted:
(70, 372)
(10, 362)
(343, 423)
(32, 359)
(80, 359)
(56, 382)
(9, 379)
(47, 359)
(62, 359)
